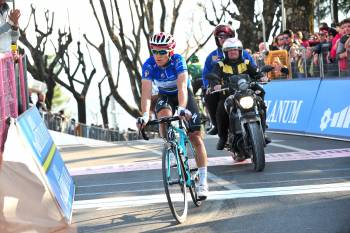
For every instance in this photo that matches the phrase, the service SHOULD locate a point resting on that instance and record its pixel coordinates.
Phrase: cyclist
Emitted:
(195, 72)
(168, 71)
(233, 63)
(221, 33)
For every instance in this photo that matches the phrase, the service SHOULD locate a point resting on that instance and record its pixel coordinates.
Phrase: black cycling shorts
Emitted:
(171, 102)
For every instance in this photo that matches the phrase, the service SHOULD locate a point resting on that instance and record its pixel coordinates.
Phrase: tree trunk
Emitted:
(299, 15)
(335, 11)
(105, 116)
(50, 92)
(81, 109)
(247, 31)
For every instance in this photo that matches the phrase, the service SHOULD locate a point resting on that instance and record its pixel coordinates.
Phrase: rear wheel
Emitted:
(174, 183)
(257, 144)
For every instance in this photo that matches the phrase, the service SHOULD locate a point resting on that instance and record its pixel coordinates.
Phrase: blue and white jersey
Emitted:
(165, 78)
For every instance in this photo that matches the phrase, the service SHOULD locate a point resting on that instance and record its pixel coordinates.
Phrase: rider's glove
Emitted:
(143, 120)
(181, 111)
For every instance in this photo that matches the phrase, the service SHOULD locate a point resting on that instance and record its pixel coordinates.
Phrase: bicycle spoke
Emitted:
(174, 184)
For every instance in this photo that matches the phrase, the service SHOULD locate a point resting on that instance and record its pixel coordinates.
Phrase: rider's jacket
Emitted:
(165, 78)
(224, 69)
(216, 56)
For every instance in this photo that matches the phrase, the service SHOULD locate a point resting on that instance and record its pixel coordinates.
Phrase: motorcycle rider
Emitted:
(233, 64)
(221, 33)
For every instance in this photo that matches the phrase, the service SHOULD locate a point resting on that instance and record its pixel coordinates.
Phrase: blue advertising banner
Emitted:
(289, 103)
(33, 130)
(331, 113)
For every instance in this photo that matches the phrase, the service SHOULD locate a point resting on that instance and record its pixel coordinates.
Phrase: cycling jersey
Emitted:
(218, 55)
(165, 78)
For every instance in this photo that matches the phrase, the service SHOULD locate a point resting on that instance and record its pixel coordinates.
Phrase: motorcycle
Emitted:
(244, 107)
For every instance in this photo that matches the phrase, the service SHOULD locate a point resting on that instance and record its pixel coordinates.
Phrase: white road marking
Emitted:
(134, 201)
(292, 148)
(214, 161)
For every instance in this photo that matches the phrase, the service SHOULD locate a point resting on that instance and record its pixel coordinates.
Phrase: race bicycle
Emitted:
(178, 166)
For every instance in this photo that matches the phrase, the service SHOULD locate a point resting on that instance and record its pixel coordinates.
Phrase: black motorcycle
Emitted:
(244, 107)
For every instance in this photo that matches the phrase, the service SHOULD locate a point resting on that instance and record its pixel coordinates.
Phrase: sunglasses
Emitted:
(283, 38)
(159, 52)
(223, 37)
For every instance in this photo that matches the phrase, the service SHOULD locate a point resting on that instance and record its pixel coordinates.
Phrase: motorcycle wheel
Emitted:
(257, 144)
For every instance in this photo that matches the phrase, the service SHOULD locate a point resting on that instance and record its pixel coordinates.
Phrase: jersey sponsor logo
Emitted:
(194, 117)
(215, 58)
(161, 102)
(146, 73)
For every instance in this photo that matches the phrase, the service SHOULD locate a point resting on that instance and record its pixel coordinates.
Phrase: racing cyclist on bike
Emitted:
(168, 71)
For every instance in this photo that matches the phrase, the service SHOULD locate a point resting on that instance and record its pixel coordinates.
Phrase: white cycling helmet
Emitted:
(163, 40)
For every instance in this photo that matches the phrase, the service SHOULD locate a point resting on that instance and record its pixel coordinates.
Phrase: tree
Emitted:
(104, 104)
(43, 67)
(250, 30)
(251, 22)
(59, 99)
(80, 92)
(325, 7)
(300, 15)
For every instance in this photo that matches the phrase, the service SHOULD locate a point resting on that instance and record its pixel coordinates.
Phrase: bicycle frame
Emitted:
(180, 146)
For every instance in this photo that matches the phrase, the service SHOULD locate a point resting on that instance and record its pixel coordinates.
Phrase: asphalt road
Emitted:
(305, 187)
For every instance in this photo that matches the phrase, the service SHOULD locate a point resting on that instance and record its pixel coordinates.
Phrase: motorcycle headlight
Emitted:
(246, 102)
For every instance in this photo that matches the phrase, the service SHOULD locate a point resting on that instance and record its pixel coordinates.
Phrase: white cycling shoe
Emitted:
(202, 191)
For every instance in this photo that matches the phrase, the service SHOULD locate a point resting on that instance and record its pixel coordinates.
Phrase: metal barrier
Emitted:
(13, 95)
(304, 64)
(57, 123)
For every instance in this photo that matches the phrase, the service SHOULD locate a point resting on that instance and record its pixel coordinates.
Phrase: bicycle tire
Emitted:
(174, 184)
(192, 166)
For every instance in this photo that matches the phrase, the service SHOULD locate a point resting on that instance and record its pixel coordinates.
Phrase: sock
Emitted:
(202, 175)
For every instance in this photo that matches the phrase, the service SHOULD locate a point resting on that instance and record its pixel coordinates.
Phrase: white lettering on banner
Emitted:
(338, 120)
(41, 137)
(283, 111)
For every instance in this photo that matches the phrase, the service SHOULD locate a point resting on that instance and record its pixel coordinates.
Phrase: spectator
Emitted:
(322, 48)
(40, 104)
(337, 34)
(299, 36)
(71, 129)
(259, 56)
(195, 72)
(9, 32)
(343, 48)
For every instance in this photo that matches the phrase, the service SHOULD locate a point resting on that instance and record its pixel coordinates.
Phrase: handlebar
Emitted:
(160, 121)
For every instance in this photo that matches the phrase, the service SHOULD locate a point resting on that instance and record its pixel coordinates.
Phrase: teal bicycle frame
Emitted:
(180, 144)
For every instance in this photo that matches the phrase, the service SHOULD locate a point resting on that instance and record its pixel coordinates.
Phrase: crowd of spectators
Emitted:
(325, 53)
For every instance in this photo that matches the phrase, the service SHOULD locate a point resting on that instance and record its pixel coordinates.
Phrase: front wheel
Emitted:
(192, 165)
(174, 183)
(257, 144)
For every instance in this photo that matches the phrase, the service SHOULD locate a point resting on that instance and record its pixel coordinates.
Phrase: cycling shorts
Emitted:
(171, 102)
